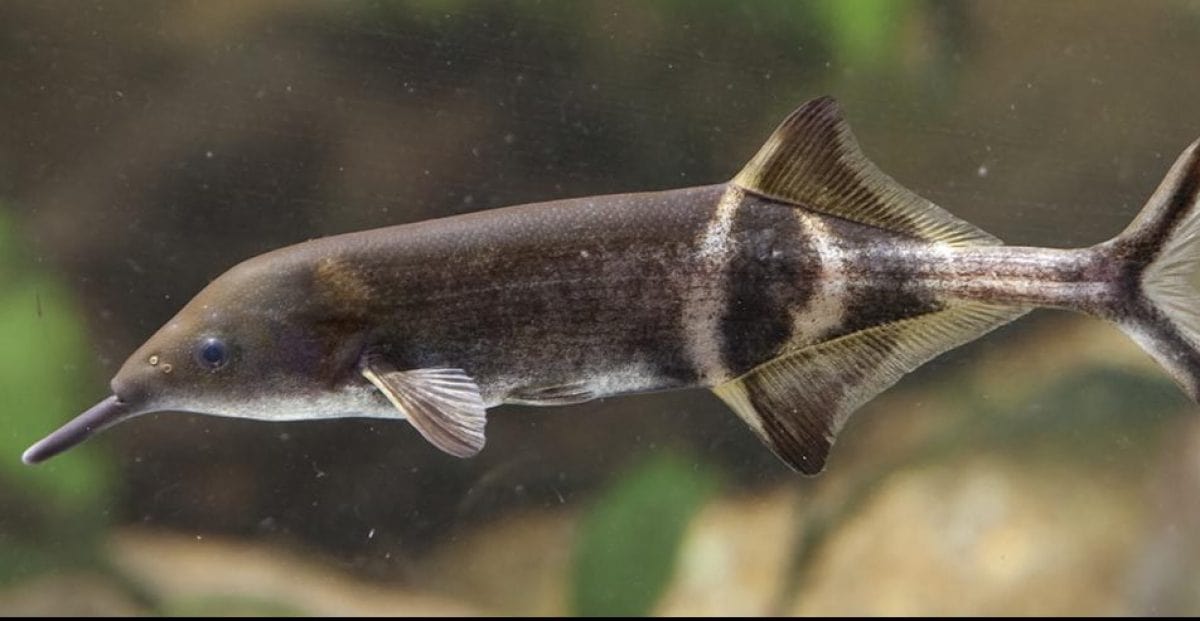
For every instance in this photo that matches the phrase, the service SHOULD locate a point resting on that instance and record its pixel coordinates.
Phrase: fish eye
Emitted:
(212, 353)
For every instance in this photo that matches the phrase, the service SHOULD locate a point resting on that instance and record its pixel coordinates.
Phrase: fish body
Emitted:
(797, 291)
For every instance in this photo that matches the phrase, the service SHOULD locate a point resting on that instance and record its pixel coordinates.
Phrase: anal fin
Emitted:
(799, 401)
(443, 404)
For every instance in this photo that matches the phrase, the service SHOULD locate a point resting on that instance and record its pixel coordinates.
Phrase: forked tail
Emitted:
(1158, 256)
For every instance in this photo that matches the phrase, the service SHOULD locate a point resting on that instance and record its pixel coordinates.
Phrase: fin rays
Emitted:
(798, 402)
(812, 160)
(1163, 244)
(443, 404)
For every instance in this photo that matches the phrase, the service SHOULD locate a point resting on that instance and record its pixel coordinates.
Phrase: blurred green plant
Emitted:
(862, 32)
(56, 510)
(1069, 414)
(626, 550)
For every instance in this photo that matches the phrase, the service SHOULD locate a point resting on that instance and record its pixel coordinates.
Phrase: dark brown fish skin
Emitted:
(884, 277)
(527, 297)
(549, 294)
(771, 273)
(560, 293)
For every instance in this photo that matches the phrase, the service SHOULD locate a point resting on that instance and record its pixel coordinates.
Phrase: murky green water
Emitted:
(147, 147)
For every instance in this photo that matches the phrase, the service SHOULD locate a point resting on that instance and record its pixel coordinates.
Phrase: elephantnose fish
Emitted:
(797, 292)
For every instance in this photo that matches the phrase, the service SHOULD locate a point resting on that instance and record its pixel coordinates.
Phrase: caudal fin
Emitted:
(1158, 257)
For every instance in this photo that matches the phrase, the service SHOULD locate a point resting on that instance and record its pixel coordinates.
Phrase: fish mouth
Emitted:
(96, 419)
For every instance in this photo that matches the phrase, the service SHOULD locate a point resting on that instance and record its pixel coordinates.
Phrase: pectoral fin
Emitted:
(798, 402)
(443, 404)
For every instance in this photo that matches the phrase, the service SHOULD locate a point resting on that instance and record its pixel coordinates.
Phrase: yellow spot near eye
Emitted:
(166, 368)
(153, 361)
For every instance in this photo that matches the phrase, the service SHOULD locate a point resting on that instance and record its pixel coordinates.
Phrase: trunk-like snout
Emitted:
(101, 416)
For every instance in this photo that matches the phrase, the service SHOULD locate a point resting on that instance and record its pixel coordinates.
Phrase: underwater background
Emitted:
(145, 147)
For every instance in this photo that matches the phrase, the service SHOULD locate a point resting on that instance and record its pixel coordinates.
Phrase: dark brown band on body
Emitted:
(772, 272)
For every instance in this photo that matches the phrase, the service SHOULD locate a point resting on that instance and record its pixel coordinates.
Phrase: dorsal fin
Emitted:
(813, 161)
(799, 401)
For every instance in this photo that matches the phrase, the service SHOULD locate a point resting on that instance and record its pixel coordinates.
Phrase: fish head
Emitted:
(259, 342)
